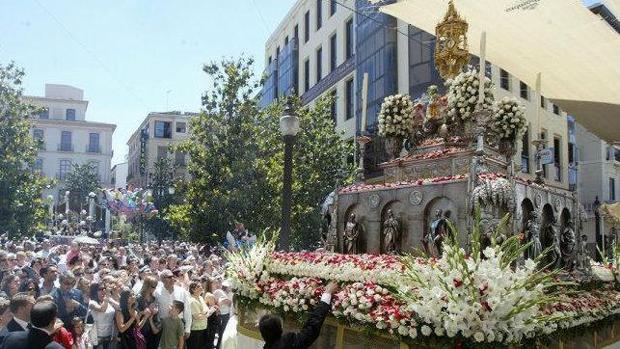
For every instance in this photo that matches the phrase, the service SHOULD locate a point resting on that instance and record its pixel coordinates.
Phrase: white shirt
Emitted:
(104, 320)
(220, 295)
(22, 323)
(165, 298)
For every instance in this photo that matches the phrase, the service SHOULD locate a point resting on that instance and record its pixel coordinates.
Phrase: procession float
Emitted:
(449, 249)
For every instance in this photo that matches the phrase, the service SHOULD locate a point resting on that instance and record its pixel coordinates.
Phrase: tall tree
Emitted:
(21, 206)
(221, 150)
(82, 180)
(236, 158)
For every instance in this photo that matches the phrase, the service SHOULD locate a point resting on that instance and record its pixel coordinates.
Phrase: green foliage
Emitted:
(21, 205)
(236, 158)
(82, 180)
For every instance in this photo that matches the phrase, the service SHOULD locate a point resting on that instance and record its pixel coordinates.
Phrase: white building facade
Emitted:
(324, 47)
(118, 175)
(152, 141)
(68, 138)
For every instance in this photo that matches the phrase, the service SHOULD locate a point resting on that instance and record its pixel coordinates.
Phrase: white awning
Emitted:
(576, 52)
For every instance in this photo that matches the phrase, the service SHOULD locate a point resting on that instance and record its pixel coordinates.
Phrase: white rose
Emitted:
(426, 331)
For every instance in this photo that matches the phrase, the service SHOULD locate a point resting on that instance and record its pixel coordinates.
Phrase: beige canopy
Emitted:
(576, 52)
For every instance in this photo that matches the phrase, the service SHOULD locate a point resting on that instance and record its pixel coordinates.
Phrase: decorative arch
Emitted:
(398, 209)
(527, 207)
(446, 205)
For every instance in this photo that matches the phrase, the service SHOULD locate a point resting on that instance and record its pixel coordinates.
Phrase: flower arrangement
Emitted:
(396, 116)
(359, 187)
(508, 119)
(463, 95)
(456, 298)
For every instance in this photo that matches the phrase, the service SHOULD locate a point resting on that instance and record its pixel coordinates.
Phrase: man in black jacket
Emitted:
(270, 326)
(43, 318)
(20, 306)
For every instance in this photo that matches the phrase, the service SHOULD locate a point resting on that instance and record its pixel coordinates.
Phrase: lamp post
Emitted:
(289, 126)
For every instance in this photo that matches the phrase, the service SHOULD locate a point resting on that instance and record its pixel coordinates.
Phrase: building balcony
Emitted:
(65, 147)
(93, 148)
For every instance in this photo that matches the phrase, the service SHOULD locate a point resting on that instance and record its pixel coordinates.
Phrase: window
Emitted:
(64, 169)
(306, 75)
(556, 109)
(162, 129)
(612, 189)
(525, 90)
(70, 114)
(162, 152)
(525, 152)
(319, 14)
(278, 52)
(349, 99)
(333, 52)
(307, 26)
(557, 158)
(571, 153)
(319, 64)
(334, 107)
(543, 102)
(333, 6)
(504, 79)
(543, 136)
(38, 136)
(181, 127)
(44, 114)
(93, 143)
(296, 31)
(179, 158)
(65, 141)
(349, 38)
(286, 40)
(38, 165)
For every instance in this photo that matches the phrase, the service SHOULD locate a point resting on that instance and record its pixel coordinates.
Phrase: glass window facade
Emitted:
(268, 93)
(422, 71)
(375, 54)
(181, 127)
(556, 109)
(319, 64)
(70, 114)
(333, 52)
(288, 66)
(163, 129)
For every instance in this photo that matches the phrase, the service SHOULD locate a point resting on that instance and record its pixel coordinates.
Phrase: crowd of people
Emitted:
(112, 296)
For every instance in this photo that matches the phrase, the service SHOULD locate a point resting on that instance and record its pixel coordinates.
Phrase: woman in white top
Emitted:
(102, 312)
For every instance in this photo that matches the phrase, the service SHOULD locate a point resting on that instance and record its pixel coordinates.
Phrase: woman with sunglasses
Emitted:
(103, 315)
(146, 300)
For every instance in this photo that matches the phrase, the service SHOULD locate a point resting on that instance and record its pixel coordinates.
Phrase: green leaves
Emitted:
(21, 206)
(82, 180)
(236, 159)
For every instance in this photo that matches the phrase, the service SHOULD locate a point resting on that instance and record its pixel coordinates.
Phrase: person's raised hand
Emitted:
(332, 287)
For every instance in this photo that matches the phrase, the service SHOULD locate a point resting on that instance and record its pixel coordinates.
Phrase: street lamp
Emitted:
(289, 126)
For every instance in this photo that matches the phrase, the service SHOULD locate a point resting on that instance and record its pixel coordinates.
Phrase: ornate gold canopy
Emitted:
(451, 52)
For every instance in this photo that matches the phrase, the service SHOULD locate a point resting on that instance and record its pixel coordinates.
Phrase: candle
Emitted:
(481, 76)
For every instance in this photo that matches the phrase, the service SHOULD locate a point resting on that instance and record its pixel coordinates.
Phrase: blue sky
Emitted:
(125, 54)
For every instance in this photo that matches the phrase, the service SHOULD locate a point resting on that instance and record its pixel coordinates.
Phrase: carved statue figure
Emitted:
(391, 233)
(351, 234)
(440, 230)
(532, 234)
(552, 240)
(568, 241)
(583, 260)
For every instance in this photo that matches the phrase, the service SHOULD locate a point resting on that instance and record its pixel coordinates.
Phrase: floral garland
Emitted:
(463, 95)
(396, 116)
(508, 119)
(359, 187)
